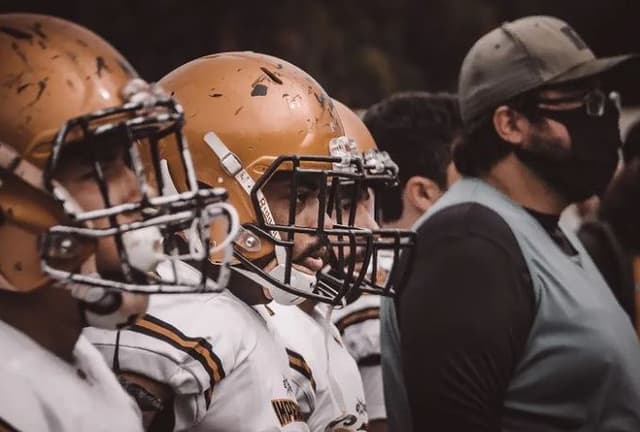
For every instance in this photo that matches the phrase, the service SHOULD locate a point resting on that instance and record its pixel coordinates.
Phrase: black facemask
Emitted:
(586, 169)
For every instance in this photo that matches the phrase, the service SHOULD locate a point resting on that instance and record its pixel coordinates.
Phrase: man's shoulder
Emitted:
(460, 215)
(468, 219)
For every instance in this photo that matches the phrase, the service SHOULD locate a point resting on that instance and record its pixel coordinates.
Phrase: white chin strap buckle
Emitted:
(144, 248)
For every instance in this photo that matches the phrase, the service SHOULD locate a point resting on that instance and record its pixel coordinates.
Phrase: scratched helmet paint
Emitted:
(249, 117)
(67, 93)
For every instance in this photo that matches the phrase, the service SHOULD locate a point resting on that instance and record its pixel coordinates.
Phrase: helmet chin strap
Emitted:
(104, 308)
(108, 309)
(299, 280)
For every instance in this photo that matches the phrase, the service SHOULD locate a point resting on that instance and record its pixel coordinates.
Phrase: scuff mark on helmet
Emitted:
(42, 86)
(70, 84)
(238, 110)
(18, 51)
(42, 44)
(23, 87)
(16, 33)
(215, 95)
(81, 42)
(271, 75)
(259, 90)
(101, 65)
(321, 99)
(72, 56)
(258, 80)
(37, 29)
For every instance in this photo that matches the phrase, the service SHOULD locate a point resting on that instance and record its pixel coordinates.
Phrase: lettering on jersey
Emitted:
(370, 360)
(287, 411)
(196, 347)
(357, 317)
(298, 364)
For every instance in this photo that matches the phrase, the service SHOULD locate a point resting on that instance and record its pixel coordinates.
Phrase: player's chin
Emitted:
(306, 270)
(309, 265)
(357, 268)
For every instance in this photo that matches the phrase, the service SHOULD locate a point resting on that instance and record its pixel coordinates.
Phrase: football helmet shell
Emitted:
(65, 90)
(248, 117)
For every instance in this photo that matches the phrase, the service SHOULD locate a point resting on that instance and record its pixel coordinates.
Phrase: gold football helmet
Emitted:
(69, 97)
(249, 118)
(380, 172)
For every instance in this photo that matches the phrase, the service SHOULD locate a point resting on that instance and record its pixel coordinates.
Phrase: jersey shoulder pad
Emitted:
(359, 325)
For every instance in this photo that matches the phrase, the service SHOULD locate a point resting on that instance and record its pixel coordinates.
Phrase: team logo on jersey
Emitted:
(361, 408)
(342, 423)
(287, 411)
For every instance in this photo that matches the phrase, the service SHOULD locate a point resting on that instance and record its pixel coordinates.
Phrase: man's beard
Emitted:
(575, 176)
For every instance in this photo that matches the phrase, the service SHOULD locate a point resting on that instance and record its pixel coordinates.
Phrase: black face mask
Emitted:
(588, 166)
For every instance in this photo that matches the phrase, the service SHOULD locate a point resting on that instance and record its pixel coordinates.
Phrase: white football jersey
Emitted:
(227, 368)
(41, 392)
(359, 325)
(337, 398)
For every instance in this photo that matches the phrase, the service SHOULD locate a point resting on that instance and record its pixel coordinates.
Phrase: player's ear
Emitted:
(420, 193)
(510, 125)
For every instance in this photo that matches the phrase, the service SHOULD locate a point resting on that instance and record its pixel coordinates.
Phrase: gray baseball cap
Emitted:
(523, 55)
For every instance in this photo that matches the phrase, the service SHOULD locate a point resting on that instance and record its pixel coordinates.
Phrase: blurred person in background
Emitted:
(613, 239)
(610, 236)
(418, 131)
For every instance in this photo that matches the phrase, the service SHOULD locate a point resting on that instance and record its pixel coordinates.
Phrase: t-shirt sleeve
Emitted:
(464, 315)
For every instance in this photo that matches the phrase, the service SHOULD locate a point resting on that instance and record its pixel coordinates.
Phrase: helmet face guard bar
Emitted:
(341, 242)
(159, 213)
(388, 244)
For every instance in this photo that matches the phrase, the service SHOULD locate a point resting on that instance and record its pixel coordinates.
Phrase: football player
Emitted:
(359, 321)
(81, 229)
(339, 402)
(268, 133)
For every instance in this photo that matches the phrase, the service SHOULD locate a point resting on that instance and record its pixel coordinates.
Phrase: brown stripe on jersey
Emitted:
(298, 363)
(370, 360)
(6, 427)
(198, 348)
(358, 317)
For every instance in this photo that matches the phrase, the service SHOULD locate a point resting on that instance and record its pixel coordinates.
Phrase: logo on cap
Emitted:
(574, 37)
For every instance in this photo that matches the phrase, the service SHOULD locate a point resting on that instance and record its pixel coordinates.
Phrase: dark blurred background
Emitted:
(359, 50)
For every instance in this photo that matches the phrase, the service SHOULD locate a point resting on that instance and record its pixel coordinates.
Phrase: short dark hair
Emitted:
(417, 129)
(481, 147)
